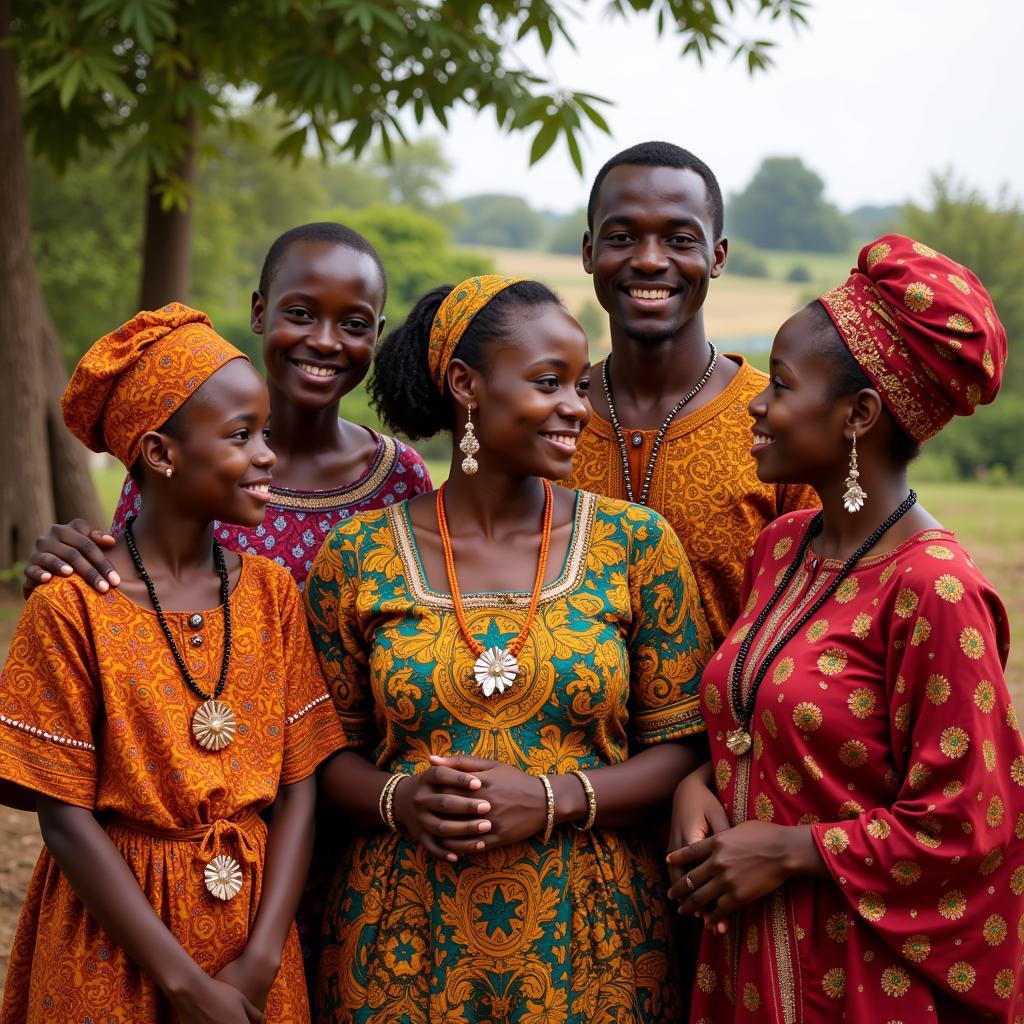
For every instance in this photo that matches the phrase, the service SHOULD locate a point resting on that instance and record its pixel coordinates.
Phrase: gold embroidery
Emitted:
(567, 582)
(384, 464)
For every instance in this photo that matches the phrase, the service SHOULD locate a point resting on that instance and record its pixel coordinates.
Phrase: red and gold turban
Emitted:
(134, 379)
(455, 314)
(923, 329)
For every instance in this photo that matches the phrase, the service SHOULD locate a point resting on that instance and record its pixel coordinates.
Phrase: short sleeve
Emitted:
(49, 704)
(128, 504)
(669, 642)
(312, 729)
(341, 649)
(419, 475)
(938, 874)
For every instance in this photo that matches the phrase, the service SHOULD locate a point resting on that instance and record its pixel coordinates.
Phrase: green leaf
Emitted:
(574, 151)
(69, 84)
(543, 140)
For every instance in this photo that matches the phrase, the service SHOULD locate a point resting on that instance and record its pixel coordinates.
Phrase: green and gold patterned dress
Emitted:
(567, 932)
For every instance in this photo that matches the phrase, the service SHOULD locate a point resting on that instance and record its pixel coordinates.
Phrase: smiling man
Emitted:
(670, 426)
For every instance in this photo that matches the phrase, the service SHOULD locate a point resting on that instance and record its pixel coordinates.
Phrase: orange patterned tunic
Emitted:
(704, 484)
(94, 712)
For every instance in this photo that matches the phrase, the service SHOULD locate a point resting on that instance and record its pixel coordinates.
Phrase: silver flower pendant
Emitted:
(214, 725)
(223, 877)
(495, 671)
(854, 496)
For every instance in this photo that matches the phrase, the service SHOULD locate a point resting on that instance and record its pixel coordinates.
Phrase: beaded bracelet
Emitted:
(549, 797)
(591, 802)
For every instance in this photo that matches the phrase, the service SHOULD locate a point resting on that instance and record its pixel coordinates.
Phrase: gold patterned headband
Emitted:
(455, 314)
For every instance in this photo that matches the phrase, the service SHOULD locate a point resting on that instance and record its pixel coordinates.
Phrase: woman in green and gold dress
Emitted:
(516, 668)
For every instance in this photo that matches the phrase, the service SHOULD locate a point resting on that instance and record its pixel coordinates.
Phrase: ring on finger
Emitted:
(689, 883)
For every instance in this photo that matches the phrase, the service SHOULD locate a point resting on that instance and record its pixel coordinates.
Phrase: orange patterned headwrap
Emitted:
(134, 379)
(923, 329)
(455, 314)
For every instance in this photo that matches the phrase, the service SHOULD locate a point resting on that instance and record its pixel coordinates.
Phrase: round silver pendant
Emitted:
(214, 725)
(495, 670)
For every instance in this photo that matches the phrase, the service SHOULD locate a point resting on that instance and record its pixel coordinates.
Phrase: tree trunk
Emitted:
(44, 471)
(167, 248)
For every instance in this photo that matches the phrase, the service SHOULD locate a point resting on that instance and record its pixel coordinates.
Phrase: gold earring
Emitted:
(469, 446)
(853, 499)
(168, 472)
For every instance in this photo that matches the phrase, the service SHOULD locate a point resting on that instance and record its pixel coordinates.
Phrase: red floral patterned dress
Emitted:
(885, 723)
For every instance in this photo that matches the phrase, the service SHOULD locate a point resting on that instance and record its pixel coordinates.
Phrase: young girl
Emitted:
(153, 723)
(319, 310)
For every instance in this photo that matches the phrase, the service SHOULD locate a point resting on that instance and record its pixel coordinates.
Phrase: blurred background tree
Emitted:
(784, 207)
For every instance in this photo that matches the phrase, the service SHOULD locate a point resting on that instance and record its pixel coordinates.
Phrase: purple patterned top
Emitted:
(296, 522)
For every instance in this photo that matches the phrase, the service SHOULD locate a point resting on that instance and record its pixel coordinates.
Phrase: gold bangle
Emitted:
(387, 800)
(389, 804)
(591, 802)
(549, 797)
(383, 797)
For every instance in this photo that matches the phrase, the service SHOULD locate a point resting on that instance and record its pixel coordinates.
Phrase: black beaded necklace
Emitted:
(620, 437)
(738, 740)
(213, 724)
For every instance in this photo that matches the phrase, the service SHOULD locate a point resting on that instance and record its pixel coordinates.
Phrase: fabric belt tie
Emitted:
(223, 874)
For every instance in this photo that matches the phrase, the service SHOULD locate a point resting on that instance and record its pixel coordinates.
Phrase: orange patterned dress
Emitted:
(94, 712)
(704, 484)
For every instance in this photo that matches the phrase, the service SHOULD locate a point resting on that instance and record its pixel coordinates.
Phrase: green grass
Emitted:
(827, 269)
(108, 480)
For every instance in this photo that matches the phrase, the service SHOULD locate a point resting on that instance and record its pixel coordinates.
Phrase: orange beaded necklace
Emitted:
(495, 668)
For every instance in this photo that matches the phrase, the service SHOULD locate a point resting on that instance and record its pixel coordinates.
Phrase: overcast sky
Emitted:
(872, 94)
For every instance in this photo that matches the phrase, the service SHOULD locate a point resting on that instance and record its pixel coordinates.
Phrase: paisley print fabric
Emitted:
(887, 726)
(134, 379)
(94, 712)
(705, 484)
(569, 932)
(296, 522)
(455, 314)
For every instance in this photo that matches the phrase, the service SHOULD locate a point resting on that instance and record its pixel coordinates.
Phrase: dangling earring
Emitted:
(469, 445)
(853, 499)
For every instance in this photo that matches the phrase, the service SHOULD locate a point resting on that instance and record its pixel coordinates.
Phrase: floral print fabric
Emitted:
(705, 484)
(567, 932)
(886, 725)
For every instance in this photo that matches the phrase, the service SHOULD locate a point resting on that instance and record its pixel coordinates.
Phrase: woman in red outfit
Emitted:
(863, 807)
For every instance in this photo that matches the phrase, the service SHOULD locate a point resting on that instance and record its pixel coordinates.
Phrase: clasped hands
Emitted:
(715, 868)
(463, 805)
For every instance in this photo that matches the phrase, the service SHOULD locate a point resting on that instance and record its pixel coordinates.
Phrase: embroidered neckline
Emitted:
(570, 578)
(870, 561)
(367, 484)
